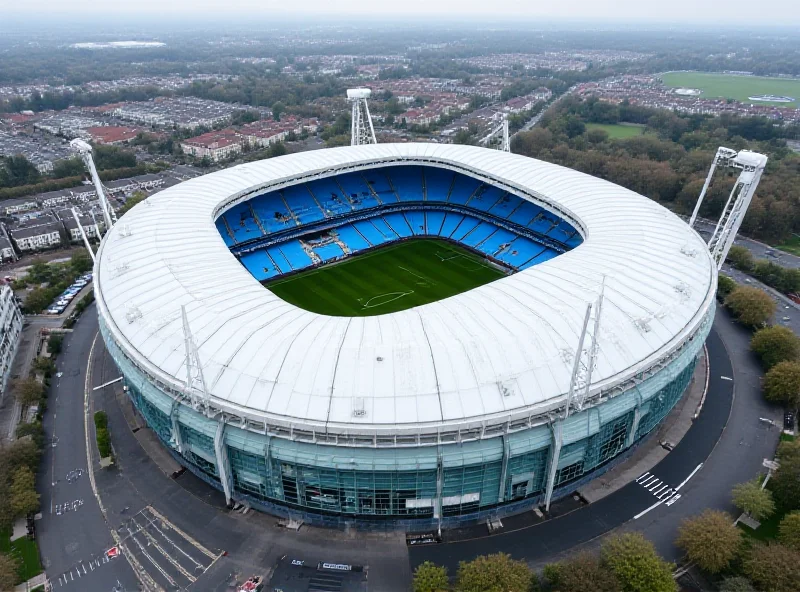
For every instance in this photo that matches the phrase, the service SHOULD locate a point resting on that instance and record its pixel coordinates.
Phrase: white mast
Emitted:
(83, 234)
(500, 130)
(361, 130)
(85, 150)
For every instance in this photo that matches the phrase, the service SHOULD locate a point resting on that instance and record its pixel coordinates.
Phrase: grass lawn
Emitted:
(25, 551)
(791, 246)
(618, 131)
(394, 278)
(730, 86)
(768, 531)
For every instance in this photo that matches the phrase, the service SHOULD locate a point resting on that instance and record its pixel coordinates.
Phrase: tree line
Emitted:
(669, 161)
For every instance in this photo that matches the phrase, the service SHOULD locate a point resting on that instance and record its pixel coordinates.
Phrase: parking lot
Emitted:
(61, 302)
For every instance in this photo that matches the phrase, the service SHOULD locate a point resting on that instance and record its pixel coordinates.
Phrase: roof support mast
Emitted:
(195, 381)
(83, 234)
(751, 165)
(502, 129)
(85, 150)
(361, 130)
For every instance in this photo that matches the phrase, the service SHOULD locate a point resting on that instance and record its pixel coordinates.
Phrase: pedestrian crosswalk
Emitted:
(658, 488)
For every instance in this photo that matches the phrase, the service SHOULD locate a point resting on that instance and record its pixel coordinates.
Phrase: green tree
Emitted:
(493, 573)
(710, 540)
(789, 531)
(17, 170)
(751, 307)
(28, 391)
(68, 167)
(775, 344)
(54, 344)
(773, 567)
(277, 109)
(751, 498)
(37, 300)
(736, 584)
(135, 198)
(23, 498)
(637, 566)
(429, 577)
(725, 286)
(782, 384)
(8, 572)
(741, 258)
(785, 483)
(581, 573)
(80, 262)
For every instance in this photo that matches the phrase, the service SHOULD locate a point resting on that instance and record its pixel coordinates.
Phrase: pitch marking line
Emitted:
(395, 295)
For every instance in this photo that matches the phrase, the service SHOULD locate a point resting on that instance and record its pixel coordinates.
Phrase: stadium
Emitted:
(401, 333)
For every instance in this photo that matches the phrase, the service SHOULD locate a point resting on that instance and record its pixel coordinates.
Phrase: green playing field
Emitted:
(394, 278)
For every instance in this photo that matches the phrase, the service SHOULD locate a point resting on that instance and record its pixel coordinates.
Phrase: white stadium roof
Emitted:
(502, 350)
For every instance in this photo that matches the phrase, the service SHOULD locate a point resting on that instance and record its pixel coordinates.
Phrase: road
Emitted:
(759, 250)
(73, 536)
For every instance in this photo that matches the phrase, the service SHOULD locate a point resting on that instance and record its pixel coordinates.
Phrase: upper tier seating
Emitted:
(407, 182)
(329, 197)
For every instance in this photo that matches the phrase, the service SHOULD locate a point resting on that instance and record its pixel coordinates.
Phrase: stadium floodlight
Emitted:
(751, 165)
(85, 150)
(83, 234)
(500, 130)
(361, 130)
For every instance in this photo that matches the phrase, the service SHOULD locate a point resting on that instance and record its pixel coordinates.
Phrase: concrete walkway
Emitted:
(32, 584)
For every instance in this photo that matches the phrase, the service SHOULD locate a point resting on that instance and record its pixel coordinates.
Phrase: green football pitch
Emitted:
(390, 279)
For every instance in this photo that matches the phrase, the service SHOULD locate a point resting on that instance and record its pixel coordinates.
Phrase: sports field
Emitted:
(731, 86)
(394, 278)
(618, 131)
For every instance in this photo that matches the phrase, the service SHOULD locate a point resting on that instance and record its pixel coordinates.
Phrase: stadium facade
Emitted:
(439, 414)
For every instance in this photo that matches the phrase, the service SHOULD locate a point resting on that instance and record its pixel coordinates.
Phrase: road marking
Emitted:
(110, 382)
(726, 378)
(642, 477)
(669, 500)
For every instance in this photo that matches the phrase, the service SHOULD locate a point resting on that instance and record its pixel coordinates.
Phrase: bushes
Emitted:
(775, 344)
(751, 498)
(750, 306)
(782, 384)
(710, 540)
(725, 286)
(102, 435)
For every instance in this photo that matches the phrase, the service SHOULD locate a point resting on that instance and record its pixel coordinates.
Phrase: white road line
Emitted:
(672, 499)
(642, 477)
(656, 486)
(666, 494)
(649, 480)
(662, 488)
(726, 378)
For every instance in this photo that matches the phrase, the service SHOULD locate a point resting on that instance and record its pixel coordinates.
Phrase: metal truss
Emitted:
(85, 151)
(501, 130)
(751, 165)
(361, 130)
(195, 381)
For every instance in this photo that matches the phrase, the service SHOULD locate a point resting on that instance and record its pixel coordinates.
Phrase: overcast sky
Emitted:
(778, 12)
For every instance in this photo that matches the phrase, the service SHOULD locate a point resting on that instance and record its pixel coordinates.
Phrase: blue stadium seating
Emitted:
(295, 255)
(485, 197)
(380, 185)
(279, 259)
(222, 228)
(397, 222)
(354, 192)
(329, 196)
(433, 222)
(477, 236)
(369, 232)
(451, 221)
(492, 245)
(468, 224)
(357, 191)
(504, 206)
(463, 188)
(416, 220)
(525, 213)
(242, 223)
(407, 182)
(328, 252)
(437, 183)
(302, 204)
(259, 265)
(350, 236)
(272, 212)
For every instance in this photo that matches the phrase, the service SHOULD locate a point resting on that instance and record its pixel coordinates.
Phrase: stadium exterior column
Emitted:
(176, 428)
(558, 437)
(637, 416)
(223, 467)
(501, 494)
(437, 506)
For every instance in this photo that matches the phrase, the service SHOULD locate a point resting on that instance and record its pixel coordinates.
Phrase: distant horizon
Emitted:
(734, 15)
